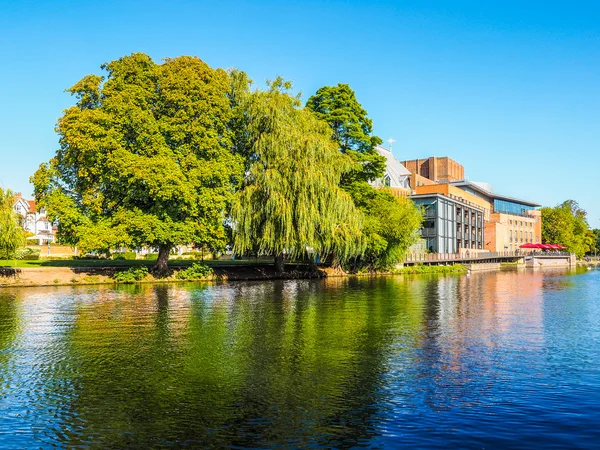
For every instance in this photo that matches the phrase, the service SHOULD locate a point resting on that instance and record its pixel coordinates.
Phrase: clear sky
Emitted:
(510, 89)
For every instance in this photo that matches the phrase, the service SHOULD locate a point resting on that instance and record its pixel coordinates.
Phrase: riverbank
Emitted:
(81, 275)
(76, 272)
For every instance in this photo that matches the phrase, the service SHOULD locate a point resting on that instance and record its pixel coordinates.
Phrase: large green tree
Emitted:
(566, 224)
(11, 234)
(144, 158)
(291, 200)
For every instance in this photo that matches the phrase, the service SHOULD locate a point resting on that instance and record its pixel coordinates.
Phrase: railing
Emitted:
(428, 232)
(476, 256)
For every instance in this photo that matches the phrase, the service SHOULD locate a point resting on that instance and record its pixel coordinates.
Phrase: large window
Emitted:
(504, 206)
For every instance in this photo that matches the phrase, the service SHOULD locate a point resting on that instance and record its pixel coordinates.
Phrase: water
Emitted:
(496, 360)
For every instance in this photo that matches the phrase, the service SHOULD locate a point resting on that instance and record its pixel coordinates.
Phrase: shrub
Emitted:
(420, 268)
(128, 256)
(28, 253)
(194, 272)
(151, 257)
(131, 275)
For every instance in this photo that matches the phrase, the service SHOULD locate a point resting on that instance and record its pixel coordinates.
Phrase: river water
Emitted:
(494, 360)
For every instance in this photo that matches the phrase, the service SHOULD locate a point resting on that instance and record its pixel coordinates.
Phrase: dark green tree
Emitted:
(144, 158)
(352, 130)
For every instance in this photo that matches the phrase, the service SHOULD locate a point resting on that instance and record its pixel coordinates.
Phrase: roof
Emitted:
(31, 205)
(394, 168)
(445, 197)
(477, 187)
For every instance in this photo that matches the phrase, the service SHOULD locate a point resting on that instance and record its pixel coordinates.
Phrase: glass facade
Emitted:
(506, 207)
(450, 225)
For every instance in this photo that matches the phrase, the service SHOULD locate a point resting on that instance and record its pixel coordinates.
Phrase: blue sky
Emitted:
(509, 89)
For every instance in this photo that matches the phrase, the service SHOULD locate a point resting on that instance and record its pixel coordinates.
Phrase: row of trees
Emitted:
(567, 224)
(177, 153)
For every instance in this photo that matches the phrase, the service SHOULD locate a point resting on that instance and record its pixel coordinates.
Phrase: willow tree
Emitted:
(11, 234)
(291, 201)
(144, 158)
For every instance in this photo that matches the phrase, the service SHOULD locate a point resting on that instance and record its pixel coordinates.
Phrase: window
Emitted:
(510, 235)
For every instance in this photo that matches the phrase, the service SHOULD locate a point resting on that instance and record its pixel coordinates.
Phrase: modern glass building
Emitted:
(450, 224)
(501, 203)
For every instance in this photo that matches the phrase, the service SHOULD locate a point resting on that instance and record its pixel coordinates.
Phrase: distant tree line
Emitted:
(176, 153)
(567, 224)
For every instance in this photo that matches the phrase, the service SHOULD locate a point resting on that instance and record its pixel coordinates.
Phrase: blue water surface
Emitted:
(491, 360)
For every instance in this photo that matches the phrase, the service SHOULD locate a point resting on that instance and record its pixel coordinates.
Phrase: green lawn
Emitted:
(124, 263)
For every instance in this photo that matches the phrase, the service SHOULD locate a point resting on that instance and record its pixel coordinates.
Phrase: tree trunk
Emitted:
(162, 263)
(279, 264)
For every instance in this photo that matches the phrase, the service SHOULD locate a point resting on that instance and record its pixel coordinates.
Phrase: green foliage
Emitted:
(131, 275)
(128, 256)
(596, 238)
(390, 227)
(566, 224)
(151, 256)
(352, 131)
(390, 224)
(194, 272)
(144, 158)
(420, 268)
(11, 234)
(291, 197)
(28, 254)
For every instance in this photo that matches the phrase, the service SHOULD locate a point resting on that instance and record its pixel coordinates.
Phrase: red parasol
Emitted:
(529, 245)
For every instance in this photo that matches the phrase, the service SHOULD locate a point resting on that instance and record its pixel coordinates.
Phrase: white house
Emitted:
(34, 221)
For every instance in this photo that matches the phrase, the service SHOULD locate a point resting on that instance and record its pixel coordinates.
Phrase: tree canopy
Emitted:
(144, 158)
(11, 234)
(291, 199)
(351, 130)
(566, 224)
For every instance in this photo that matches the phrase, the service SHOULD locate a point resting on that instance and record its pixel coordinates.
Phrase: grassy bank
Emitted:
(419, 268)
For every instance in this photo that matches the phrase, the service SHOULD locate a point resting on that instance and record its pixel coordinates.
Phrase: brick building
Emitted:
(461, 214)
(436, 169)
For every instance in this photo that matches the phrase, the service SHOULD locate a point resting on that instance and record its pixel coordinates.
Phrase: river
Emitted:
(491, 360)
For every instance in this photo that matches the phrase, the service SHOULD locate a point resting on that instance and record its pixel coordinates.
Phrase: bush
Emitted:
(194, 272)
(89, 256)
(131, 275)
(420, 268)
(151, 257)
(128, 256)
(28, 254)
